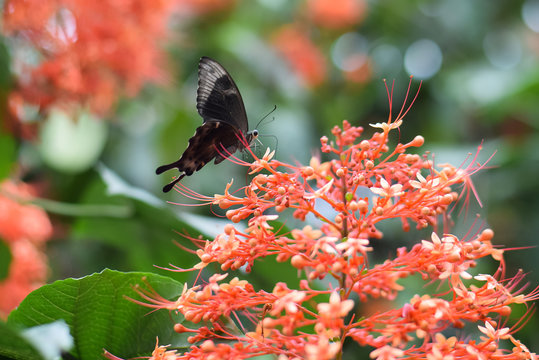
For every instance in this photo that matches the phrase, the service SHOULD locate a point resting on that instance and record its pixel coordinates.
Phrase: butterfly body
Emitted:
(225, 128)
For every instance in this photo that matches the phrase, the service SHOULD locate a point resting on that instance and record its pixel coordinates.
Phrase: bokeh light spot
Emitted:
(272, 4)
(487, 86)
(423, 59)
(503, 49)
(347, 47)
(530, 14)
(387, 60)
(72, 145)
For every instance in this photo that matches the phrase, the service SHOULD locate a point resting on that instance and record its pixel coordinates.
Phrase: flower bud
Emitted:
(207, 346)
(308, 171)
(298, 261)
(418, 141)
(363, 206)
(369, 164)
(364, 145)
(229, 229)
(487, 235)
(179, 328)
(336, 267)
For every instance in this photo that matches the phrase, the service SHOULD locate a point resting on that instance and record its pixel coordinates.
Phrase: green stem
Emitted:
(97, 210)
(67, 209)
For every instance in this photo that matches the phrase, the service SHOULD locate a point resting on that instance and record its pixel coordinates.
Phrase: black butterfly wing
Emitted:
(220, 104)
(211, 140)
(218, 97)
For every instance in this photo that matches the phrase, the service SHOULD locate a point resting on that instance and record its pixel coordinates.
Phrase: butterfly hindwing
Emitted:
(210, 141)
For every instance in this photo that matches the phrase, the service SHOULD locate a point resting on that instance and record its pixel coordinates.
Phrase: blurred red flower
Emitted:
(24, 228)
(301, 54)
(85, 52)
(336, 14)
(360, 69)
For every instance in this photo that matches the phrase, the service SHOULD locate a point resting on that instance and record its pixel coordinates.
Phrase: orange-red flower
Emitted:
(365, 182)
(24, 228)
(336, 14)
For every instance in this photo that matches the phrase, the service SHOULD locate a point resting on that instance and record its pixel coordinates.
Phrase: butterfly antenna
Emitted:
(265, 116)
(271, 136)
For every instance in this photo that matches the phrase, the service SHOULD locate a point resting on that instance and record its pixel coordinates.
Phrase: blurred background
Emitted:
(95, 95)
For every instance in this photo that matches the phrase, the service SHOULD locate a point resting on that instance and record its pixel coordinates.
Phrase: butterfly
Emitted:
(225, 128)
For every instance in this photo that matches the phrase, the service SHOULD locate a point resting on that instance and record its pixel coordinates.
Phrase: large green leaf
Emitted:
(99, 314)
(14, 347)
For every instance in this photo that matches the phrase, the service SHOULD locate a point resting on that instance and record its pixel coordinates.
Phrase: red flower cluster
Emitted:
(85, 52)
(304, 56)
(24, 228)
(365, 183)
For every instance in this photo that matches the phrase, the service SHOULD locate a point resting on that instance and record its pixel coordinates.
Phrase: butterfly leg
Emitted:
(166, 167)
(170, 185)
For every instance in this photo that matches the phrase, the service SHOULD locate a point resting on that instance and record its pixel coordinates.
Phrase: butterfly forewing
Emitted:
(218, 97)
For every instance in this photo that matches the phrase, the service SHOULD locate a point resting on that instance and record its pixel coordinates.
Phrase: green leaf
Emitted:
(100, 316)
(5, 259)
(5, 67)
(14, 346)
(266, 271)
(279, 227)
(7, 154)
